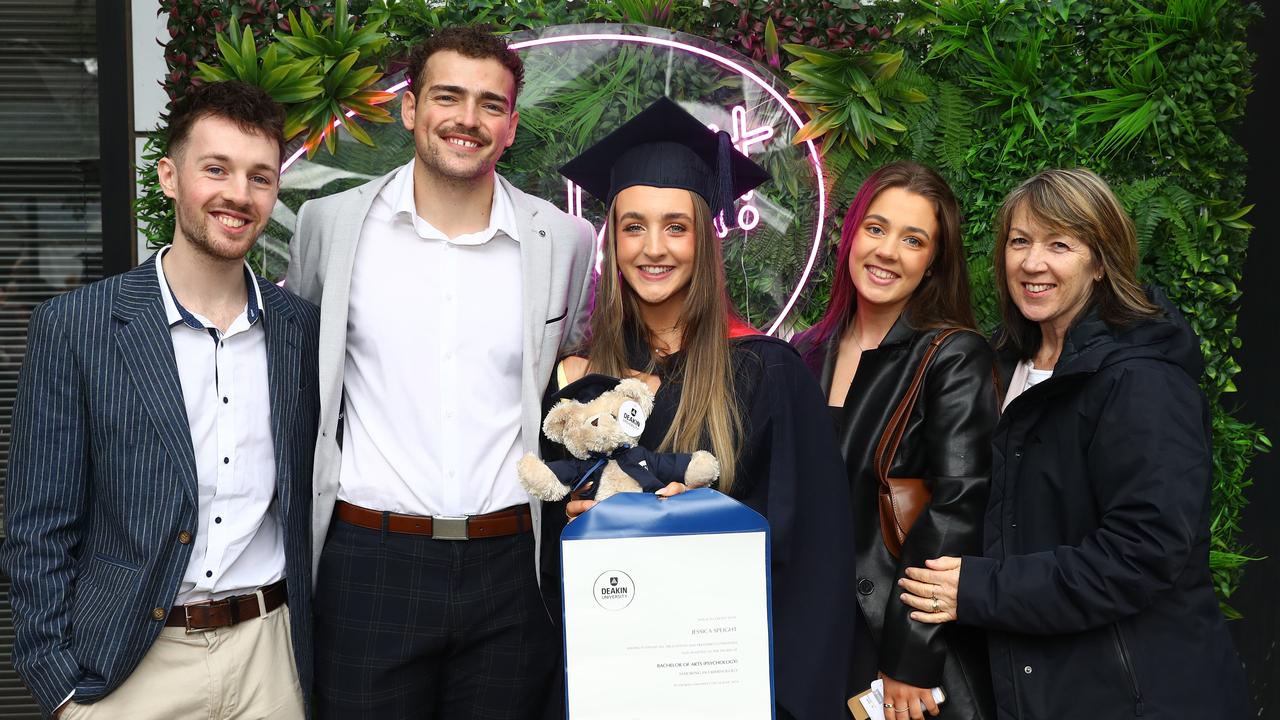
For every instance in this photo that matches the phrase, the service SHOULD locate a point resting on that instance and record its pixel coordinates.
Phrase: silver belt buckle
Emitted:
(449, 527)
(186, 614)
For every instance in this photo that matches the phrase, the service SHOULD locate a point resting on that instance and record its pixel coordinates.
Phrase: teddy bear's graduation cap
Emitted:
(664, 146)
(584, 389)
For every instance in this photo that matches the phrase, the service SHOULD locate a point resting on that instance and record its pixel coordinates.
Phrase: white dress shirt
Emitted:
(237, 545)
(434, 362)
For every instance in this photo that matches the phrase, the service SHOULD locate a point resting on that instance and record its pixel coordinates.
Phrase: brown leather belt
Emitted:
(228, 611)
(510, 521)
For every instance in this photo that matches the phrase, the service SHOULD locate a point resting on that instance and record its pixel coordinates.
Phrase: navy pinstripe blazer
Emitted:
(102, 479)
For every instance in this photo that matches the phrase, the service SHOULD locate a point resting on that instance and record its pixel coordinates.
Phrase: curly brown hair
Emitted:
(477, 42)
(248, 106)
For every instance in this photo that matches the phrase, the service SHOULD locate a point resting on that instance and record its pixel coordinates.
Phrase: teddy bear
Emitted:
(599, 419)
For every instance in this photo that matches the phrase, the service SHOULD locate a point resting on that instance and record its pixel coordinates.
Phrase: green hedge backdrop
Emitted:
(1145, 92)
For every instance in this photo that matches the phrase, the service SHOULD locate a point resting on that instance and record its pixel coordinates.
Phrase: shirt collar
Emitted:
(502, 213)
(174, 311)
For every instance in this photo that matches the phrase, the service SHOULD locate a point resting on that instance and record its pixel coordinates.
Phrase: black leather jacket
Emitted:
(947, 442)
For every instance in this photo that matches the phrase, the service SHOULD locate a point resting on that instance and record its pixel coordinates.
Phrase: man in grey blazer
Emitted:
(159, 494)
(446, 296)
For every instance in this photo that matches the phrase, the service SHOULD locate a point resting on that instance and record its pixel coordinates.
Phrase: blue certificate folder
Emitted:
(667, 609)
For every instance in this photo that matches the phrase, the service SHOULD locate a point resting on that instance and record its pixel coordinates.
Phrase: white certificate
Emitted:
(667, 617)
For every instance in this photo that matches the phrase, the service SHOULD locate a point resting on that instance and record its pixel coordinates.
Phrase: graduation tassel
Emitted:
(724, 178)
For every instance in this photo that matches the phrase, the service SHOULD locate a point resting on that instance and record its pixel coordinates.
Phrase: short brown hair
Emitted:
(1079, 204)
(472, 41)
(248, 106)
(942, 297)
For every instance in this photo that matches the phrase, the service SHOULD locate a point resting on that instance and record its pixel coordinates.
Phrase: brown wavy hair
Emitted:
(477, 42)
(248, 106)
(1079, 204)
(708, 410)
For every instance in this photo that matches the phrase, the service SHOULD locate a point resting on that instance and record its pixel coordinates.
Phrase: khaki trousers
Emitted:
(242, 672)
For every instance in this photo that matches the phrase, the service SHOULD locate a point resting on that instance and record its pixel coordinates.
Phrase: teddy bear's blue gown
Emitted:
(791, 472)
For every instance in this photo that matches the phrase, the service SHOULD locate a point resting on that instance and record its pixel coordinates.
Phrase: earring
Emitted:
(928, 273)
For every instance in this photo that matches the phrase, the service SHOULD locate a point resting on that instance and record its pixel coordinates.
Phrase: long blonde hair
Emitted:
(708, 408)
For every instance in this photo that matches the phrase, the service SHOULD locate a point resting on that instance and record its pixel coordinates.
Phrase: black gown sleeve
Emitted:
(959, 405)
(791, 472)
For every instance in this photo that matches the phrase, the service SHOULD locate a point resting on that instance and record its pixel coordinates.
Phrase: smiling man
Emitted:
(159, 495)
(447, 297)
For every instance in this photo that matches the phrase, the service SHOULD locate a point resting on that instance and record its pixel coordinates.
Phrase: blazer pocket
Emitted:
(115, 561)
(563, 314)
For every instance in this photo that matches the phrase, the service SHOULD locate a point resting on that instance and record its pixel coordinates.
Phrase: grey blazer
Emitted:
(102, 481)
(556, 260)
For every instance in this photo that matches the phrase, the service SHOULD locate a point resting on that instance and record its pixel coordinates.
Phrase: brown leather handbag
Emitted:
(903, 499)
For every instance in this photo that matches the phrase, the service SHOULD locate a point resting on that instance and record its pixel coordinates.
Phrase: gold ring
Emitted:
(935, 604)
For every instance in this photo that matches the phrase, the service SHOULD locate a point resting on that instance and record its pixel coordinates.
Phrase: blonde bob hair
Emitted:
(1079, 204)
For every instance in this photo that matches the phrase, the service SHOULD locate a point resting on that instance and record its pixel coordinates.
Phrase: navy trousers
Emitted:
(410, 627)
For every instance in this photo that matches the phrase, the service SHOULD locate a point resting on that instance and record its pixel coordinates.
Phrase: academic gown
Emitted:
(791, 472)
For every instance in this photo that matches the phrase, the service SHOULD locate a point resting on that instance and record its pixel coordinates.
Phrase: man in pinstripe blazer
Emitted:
(158, 508)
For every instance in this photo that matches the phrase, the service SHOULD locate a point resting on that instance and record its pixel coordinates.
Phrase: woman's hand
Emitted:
(903, 701)
(672, 488)
(933, 592)
(574, 508)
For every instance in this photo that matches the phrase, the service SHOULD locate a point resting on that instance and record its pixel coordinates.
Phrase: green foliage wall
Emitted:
(1145, 92)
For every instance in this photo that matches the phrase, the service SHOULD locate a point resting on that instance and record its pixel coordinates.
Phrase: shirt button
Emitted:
(1027, 669)
(225, 401)
(184, 537)
(208, 573)
(217, 520)
(158, 613)
(226, 460)
(1013, 525)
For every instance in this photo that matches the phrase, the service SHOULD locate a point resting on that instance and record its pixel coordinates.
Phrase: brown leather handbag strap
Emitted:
(893, 431)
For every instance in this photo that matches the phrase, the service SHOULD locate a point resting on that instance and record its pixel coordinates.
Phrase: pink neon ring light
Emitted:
(726, 62)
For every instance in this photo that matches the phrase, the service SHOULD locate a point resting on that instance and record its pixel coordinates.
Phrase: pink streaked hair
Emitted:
(840, 304)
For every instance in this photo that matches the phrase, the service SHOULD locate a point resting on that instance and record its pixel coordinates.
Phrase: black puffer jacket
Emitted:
(948, 443)
(1095, 583)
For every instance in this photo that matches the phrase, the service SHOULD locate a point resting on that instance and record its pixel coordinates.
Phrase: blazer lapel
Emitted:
(535, 273)
(336, 300)
(283, 338)
(146, 349)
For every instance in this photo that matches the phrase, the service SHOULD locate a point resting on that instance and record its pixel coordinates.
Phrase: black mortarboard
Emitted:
(664, 146)
(584, 389)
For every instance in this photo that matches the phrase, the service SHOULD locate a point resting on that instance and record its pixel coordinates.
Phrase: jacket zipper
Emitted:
(1122, 650)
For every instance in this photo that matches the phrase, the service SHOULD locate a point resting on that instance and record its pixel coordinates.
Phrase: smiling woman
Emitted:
(889, 335)
(661, 313)
(1093, 582)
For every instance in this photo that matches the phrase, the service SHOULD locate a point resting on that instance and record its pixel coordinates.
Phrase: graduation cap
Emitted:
(584, 389)
(665, 146)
